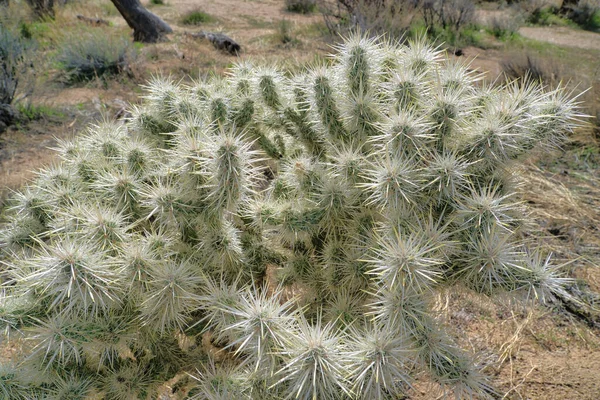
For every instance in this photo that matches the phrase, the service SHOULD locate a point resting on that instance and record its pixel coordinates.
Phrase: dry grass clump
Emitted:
(86, 56)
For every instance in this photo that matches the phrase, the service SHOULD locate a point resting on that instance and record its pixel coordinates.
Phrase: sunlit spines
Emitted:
(393, 182)
(419, 56)
(449, 366)
(231, 171)
(336, 199)
(378, 362)
(447, 176)
(458, 76)
(70, 386)
(57, 342)
(313, 363)
(324, 103)
(136, 261)
(12, 386)
(480, 210)
(164, 201)
(361, 113)
(221, 382)
(262, 323)
(59, 187)
(72, 278)
(489, 261)
(406, 261)
(171, 295)
(162, 95)
(405, 132)
(129, 380)
(555, 117)
(102, 228)
(446, 110)
(359, 63)
(216, 300)
(271, 87)
(221, 245)
(120, 188)
(540, 278)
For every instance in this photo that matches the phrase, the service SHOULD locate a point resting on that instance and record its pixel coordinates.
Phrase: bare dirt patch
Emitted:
(563, 36)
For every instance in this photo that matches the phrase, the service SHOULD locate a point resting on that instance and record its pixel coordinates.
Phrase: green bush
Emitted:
(301, 6)
(88, 56)
(30, 112)
(197, 17)
(586, 13)
(297, 229)
(505, 27)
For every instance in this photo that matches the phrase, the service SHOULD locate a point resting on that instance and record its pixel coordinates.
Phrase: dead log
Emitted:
(219, 41)
(146, 26)
(93, 21)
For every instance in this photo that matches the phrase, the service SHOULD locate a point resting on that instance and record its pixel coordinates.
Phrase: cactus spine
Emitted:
(297, 228)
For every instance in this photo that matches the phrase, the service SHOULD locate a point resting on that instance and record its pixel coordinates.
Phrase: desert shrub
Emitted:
(286, 33)
(42, 8)
(505, 26)
(449, 14)
(390, 17)
(586, 13)
(197, 17)
(301, 6)
(526, 67)
(13, 51)
(296, 227)
(85, 56)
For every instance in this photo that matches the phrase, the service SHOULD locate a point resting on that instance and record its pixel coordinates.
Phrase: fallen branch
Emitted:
(575, 304)
(219, 41)
(93, 21)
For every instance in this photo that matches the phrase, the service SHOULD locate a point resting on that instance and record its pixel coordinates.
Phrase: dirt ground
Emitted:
(541, 352)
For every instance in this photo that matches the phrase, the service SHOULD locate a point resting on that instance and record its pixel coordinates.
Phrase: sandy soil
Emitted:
(563, 36)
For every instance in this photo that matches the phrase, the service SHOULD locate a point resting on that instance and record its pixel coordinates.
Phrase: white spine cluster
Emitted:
(297, 227)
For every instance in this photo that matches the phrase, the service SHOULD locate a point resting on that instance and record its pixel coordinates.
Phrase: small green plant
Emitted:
(30, 112)
(294, 230)
(157, 2)
(285, 33)
(547, 16)
(197, 17)
(301, 6)
(88, 56)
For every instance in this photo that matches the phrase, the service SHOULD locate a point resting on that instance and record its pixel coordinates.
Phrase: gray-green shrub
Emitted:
(13, 57)
(87, 56)
(299, 228)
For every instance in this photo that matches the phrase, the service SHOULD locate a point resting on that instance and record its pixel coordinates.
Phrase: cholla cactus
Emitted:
(297, 227)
